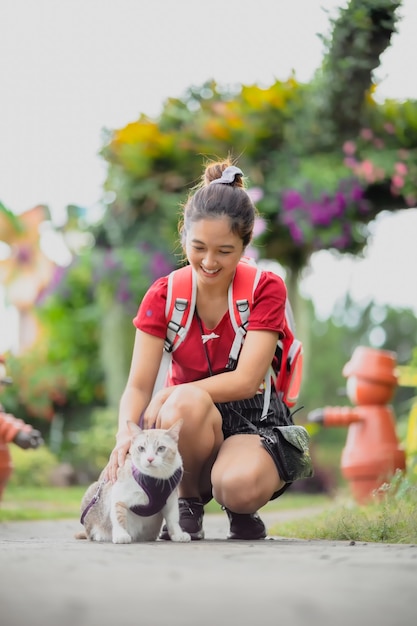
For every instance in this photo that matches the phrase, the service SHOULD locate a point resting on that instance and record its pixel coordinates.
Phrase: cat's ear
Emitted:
(134, 429)
(174, 431)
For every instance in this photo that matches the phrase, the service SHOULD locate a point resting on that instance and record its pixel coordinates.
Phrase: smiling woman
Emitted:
(219, 382)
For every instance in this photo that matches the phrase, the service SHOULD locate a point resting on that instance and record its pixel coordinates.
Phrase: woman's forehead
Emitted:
(217, 230)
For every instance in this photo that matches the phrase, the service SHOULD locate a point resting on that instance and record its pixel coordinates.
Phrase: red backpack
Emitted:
(286, 370)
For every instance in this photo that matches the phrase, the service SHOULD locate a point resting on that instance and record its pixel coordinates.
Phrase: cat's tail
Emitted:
(80, 535)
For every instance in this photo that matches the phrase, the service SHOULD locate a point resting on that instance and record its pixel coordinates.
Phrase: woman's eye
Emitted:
(197, 249)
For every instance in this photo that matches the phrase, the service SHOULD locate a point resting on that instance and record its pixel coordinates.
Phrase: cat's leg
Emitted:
(172, 516)
(118, 514)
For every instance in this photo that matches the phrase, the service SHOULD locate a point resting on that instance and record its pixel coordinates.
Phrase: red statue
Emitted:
(13, 430)
(372, 453)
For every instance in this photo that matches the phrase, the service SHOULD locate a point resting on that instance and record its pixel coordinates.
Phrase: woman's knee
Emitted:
(192, 404)
(236, 491)
(243, 480)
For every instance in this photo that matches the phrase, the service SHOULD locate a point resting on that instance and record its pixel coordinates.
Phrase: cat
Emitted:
(144, 495)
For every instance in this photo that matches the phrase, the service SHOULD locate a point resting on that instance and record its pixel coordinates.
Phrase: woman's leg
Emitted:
(244, 475)
(200, 438)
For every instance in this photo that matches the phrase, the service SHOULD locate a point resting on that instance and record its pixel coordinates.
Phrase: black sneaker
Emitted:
(191, 519)
(245, 526)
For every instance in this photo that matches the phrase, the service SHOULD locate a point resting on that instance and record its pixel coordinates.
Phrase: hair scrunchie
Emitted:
(228, 175)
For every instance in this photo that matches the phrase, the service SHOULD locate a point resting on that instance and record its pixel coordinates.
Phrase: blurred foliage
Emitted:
(93, 445)
(32, 467)
(333, 341)
(359, 35)
(288, 139)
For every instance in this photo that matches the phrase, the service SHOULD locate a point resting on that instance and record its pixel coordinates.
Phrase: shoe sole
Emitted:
(194, 536)
(237, 538)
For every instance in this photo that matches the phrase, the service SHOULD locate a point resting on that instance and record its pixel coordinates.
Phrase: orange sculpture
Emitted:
(26, 271)
(13, 430)
(372, 452)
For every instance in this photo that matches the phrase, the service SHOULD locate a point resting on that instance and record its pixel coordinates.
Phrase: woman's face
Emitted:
(213, 251)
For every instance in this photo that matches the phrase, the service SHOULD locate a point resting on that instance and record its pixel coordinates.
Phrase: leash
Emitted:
(93, 501)
(158, 490)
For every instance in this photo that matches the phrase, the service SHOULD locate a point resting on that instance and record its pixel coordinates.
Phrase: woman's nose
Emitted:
(209, 261)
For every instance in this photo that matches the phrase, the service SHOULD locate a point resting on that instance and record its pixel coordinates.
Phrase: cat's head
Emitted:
(155, 451)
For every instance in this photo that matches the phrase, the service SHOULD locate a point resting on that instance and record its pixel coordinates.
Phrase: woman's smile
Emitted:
(213, 249)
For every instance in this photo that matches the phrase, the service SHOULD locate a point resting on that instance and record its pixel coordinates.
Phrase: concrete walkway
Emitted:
(48, 578)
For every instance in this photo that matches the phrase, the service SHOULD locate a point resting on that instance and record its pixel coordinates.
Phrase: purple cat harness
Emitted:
(158, 491)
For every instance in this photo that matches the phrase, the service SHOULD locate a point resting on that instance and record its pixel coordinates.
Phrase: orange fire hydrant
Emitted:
(372, 452)
(13, 430)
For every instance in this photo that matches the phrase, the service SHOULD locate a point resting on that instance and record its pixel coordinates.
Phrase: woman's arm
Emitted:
(255, 358)
(146, 358)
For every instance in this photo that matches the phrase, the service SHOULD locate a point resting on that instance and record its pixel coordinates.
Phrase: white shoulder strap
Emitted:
(176, 332)
(242, 307)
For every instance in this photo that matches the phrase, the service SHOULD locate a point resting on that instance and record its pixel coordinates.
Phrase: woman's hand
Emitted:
(151, 415)
(117, 458)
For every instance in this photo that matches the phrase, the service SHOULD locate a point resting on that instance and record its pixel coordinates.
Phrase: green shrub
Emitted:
(92, 450)
(32, 467)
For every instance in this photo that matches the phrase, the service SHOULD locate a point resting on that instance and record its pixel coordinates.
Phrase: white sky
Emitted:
(69, 68)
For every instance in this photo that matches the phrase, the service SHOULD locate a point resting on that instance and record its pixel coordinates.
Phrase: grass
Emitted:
(390, 517)
(37, 503)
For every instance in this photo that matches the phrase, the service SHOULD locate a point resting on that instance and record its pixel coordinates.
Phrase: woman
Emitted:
(220, 443)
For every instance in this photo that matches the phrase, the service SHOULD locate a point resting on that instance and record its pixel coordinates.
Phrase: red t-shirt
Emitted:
(189, 360)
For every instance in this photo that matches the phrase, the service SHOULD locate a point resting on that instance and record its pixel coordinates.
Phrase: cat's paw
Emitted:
(121, 537)
(180, 536)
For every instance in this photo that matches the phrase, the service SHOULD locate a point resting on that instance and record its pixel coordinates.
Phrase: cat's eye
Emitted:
(141, 448)
(161, 448)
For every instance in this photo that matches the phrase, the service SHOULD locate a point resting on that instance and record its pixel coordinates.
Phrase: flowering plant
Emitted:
(326, 220)
(371, 162)
(124, 274)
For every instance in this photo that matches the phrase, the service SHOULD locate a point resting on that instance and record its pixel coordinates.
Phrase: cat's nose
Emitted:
(150, 459)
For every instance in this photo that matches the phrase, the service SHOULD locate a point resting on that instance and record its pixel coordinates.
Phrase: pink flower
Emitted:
(350, 162)
(368, 170)
(398, 182)
(389, 128)
(255, 194)
(259, 227)
(349, 148)
(401, 169)
(367, 134)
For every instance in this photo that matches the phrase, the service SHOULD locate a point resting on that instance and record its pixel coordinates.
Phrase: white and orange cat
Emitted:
(144, 495)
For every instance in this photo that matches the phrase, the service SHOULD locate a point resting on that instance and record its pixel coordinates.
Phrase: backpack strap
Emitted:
(241, 295)
(240, 298)
(179, 312)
